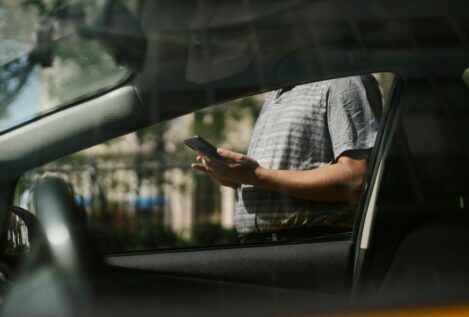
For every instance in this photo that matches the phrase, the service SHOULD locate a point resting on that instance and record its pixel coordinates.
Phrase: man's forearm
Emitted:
(332, 183)
(338, 182)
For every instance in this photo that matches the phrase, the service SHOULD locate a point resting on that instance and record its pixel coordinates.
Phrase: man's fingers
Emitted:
(230, 155)
(203, 165)
(199, 167)
(203, 157)
(237, 159)
(206, 163)
(234, 165)
(217, 178)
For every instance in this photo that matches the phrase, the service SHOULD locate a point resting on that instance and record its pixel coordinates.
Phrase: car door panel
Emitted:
(322, 267)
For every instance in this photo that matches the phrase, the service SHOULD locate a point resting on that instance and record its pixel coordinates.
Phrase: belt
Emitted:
(293, 234)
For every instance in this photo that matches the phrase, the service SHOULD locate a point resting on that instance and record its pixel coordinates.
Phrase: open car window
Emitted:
(140, 192)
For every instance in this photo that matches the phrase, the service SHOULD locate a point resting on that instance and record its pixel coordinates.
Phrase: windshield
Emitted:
(49, 58)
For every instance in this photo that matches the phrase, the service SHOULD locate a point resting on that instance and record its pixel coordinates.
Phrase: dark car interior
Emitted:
(418, 241)
(419, 247)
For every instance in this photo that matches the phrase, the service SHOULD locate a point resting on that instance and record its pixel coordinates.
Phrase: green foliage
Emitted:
(143, 228)
(43, 7)
(206, 234)
(81, 66)
(146, 233)
(73, 160)
(210, 124)
(206, 196)
(153, 235)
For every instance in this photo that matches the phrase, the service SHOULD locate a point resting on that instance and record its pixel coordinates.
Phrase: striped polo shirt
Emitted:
(307, 127)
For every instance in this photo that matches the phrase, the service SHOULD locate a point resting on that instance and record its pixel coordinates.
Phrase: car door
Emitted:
(322, 40)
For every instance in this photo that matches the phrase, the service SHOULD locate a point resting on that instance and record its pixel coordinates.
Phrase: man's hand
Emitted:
(235, 170)
(338, 182)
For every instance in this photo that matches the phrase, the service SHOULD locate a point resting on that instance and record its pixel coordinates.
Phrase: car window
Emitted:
(53, 60)
(141, 192)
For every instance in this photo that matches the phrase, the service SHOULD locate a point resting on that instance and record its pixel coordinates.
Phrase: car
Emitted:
(101, 213)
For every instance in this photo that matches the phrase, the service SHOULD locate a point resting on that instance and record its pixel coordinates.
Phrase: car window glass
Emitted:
(140, 191)
(54, 59)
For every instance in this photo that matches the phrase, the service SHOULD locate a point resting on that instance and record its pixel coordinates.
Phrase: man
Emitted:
(307, 157)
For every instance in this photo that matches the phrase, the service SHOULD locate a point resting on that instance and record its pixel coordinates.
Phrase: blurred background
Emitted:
(140, 191)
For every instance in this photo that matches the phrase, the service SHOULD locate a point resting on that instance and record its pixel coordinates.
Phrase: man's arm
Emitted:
(338, 182)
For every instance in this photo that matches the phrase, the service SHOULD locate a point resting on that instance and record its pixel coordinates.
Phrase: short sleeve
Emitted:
(352, 123)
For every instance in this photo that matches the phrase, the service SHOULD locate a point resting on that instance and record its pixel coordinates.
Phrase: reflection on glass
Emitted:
(140, 191)
(29, 84)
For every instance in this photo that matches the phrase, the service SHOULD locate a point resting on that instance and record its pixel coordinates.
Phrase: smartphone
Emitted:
(201, 145)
